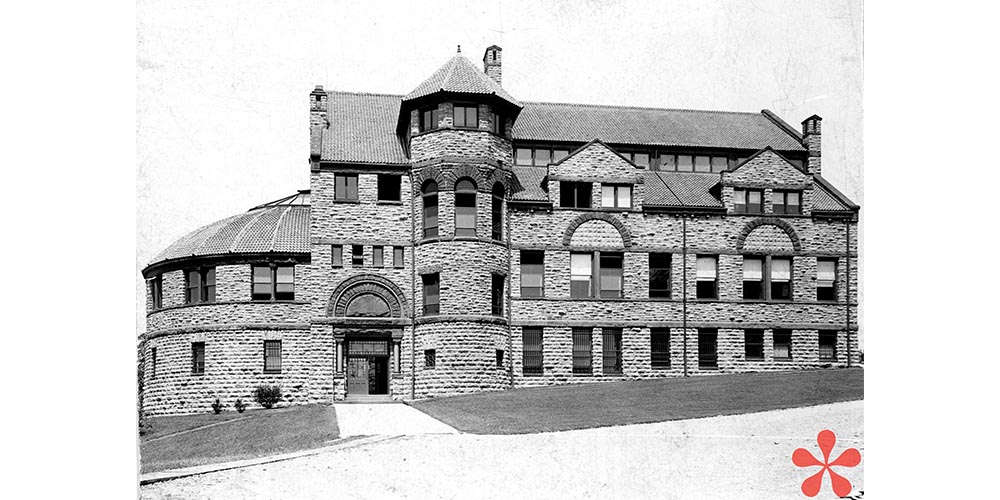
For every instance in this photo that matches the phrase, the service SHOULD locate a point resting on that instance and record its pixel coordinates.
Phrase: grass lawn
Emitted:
(582, 406)
(255, 433)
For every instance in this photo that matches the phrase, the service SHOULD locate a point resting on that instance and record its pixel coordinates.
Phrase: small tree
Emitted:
(267, 395)
(217, 406)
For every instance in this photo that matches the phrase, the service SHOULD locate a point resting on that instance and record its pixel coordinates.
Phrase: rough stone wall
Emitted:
(595, 162)
(465, 358)
(459, 143)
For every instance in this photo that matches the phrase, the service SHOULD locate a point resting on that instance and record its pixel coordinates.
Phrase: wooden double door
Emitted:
(367, 375)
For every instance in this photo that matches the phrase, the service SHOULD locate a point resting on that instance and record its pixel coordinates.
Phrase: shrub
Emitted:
(267, 395)
(240, 405)
(217, 406)
(145, 423)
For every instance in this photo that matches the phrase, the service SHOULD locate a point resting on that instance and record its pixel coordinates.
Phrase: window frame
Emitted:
(576, 187)
(430, 359)
(656, 162)
(429, 192)
(196, 349)
(431, 281)
(465, 116)
(698, 281)
(784, 206)
(378, 256)
(497, 296)
(659, 359)
(156, 291)
(833, 287)
(500, 360)
(380, 180)
(579, 354)
(541, 273)
(783, 332)
(533, 159)
(530, 368)
(273, 282)
(152, 365)
(741, 198)
(828, 334)
(615, 191)
(466, 188)
(497, 212)
(659, 292)
(398, 257)
(597, 268)
(269, 351)
(708, 361)
(434, 121)
(205, 291)
(757, 345)
(337, 255)
(771, 281)
(357, 256)
(344, 194)
(767, 281)
(612, 337)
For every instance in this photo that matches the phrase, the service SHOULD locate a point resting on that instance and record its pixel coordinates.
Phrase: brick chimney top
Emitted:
(812, 140)
(491, 63)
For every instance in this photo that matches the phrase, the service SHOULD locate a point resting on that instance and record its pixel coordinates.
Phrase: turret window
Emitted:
(432, 293)
(156, 290)
(466, 116)
(497, 211)
(429, 119)
(430, 209)
(465, 208)
(200, 286)
(273, 283)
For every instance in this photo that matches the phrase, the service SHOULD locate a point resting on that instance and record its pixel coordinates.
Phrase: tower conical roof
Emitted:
(461, 76)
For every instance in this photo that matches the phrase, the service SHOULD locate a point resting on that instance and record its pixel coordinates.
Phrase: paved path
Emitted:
(387, 419)
(739, 457)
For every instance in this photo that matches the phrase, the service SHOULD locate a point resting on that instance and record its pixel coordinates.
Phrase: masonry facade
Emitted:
(456, 240)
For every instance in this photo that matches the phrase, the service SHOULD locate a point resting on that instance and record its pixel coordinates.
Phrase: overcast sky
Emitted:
(222, 87)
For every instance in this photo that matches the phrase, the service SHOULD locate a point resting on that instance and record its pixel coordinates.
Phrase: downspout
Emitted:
(510, 279)
(847, 226)
(413, 291)
(684, 303)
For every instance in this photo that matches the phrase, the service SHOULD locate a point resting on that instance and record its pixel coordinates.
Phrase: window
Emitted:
(345, 187)
(702, 163)
(559, 154)
(499, 358)
(612, 347)
(397, 256)
(430, 209)
(498, 124)
(200, 286)
(753, 278)
(467, 116)
(337, 255)
(689, 163)
(659, 275)
(377, 257)
(156, 291)
(826, 279)
(787, 202)
(613, 196)
(574, 194)
(612, 281)
(465, 208)
(781, 279)
(659, 348)
(748, 201)
(582, 360)
(708, 348)
(523, 156)
(432, 290)
(581, 267)
(388, 187)
(532, 338)
(497, 295)
(532, 273)
(539, 157)
(782, 344)
(497, 211)
(827, 345)
(197, 357)
(429, 119)
(609, 271)
(719, 163)
(430, 359)
(666, 162)
(272, 356)
(707, 274)
(753, 342)
(152, 369)
(357, 255)
(273, 283)
(543, 157)
(685, 163)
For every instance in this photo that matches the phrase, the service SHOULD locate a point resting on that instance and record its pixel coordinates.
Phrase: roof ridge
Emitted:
(652, 108)
(352, 92)
(243, 229)
(274, 234)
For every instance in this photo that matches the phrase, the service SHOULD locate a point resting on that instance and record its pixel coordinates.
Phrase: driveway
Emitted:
(740, 456)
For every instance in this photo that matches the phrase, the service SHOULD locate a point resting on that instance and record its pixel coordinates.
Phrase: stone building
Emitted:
(456, 240)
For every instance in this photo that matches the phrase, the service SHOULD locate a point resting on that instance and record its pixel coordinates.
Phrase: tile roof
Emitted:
(460, 75)
(362, 129)
(827, 198)
(545, 121)
(276, 228)
(691, 190)
(528, 186)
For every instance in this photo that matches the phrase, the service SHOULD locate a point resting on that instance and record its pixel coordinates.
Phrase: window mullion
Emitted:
(767, 277)
(595, 272)
(274, 282)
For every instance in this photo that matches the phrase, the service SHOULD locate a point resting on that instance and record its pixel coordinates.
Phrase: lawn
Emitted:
(254, 433)
(582, 406)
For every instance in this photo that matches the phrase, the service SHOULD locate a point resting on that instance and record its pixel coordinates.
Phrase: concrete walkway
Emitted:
(387, 419)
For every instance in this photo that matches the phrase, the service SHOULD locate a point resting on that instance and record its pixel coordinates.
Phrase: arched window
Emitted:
(465, 208)
(430, 209)
(497, 211)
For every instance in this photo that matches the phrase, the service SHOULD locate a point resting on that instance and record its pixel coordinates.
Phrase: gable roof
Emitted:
(528, 185)
(827, 198)
(362, 129)
(462, 76)
(687, 190)
(594, 143)
(737, 166)
(549, 121)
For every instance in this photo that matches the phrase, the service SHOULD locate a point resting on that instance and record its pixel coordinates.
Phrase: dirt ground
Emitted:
(740, 456)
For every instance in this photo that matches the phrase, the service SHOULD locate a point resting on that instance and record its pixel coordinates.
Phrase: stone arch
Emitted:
(355, 287)
(496, 175)
(425, 174)
(610, 219)
(760, 225)
(459, 171)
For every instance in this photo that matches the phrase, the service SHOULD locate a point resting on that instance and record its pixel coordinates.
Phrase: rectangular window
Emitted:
(781, 279)
(532, 337)
(559, 154)
(262, 283)
(707, 274)
(612, 351)
(430, 359)
(582, 359)
(702, 164)
(192, 288)
(208, 285)
(659, 275)
(197, 357)
(615, 196)
(719, 163)
(432, 290)
(685, 163)
(641, 160)
(272, 356)
(581, 269)
(497, 125)
(337, 255)
(499, 358)
(782, 344)
(523, 156)
(827, 345)
(753, 278)
(497, 294)
(659, 348)
(826, 279)
(574, 194)
(753, 342)
(612, 282)
(388, 187)
(284, 288)
(152, 369)
(532, 273)
(748, 201)
(357, 255)
(377, 257)
(429, 119)
(397, 256)
(273, 283)
(787, 202)
(543, 157)
(708, 348)
(156, 290)
(667, 162)
(467, 116)
(345, 187)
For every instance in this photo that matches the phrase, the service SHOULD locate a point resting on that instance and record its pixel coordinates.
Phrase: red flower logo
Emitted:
(849, 458)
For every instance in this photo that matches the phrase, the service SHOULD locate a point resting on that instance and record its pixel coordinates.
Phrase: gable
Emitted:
(768, 167)
(594, 160)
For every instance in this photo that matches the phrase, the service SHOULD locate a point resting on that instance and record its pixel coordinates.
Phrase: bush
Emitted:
(217, 406)
(267, 395)
(145, 423)
(240, 405)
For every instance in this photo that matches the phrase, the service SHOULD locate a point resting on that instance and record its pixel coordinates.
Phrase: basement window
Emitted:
(753, 341)
(782, 344)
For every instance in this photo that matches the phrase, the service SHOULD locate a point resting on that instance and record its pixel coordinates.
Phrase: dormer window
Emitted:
(787, 202)
(497, 125)
(616, 196)
(429, 119)
(748, 201)
(466, 116)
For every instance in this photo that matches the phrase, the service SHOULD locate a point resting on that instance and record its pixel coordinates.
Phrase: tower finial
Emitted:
(460, 49)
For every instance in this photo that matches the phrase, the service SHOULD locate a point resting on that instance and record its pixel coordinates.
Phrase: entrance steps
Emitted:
(369, 399)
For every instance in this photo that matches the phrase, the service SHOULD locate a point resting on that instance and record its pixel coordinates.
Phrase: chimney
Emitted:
(317, 122)
(811, 141)
(491, 63)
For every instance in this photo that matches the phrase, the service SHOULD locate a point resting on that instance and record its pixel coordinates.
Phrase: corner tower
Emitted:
(456, 129)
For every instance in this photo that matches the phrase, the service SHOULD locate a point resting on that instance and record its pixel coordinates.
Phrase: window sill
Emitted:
(272, 372)
(539, 374)
(660, 368)
(388, 202)
(754, 360)
(708, 368)
(781, 360)
(346, 201)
